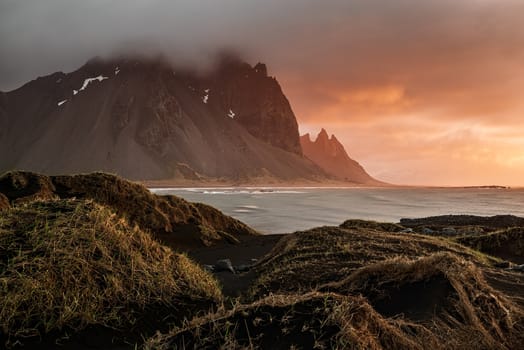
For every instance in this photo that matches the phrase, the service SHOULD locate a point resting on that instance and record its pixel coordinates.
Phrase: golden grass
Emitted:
(445, 294)
(444, 303)
(67, 264)
(305, 260)
(174, 221)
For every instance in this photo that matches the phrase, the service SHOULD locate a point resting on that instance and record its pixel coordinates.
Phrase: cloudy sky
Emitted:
(420, 92)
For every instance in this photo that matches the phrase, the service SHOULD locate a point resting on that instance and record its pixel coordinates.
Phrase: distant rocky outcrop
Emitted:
(146, 119)
(328, 153)
(493, 222)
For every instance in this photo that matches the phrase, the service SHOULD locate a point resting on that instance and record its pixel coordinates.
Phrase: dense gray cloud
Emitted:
(41, 36)
(333, 39)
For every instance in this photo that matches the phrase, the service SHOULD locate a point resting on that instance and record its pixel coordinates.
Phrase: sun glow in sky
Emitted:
(420, 92)
(426, 94)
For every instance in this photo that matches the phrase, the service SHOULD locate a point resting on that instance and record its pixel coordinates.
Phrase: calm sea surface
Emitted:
(282, 210)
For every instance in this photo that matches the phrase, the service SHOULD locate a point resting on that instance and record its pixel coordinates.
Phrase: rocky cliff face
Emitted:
(145, 119)
(248, 95)
(331, 156)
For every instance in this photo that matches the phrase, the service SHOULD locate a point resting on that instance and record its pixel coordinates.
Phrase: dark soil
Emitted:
(250, 247)
(154, 319)
(416, 301)
(267, 326)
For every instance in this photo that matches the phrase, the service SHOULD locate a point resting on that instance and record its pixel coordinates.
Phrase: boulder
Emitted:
(224, 265)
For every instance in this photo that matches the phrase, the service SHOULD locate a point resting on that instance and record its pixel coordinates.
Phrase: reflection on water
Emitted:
(280, 210)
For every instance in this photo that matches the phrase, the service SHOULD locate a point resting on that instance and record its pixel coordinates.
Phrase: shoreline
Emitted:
(257, 182)
(182, 184)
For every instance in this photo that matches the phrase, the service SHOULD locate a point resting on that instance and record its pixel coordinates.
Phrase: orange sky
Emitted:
(433, 99)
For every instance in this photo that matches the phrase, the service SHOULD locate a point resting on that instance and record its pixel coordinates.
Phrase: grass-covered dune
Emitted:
(305, 321)
(308, 259)
(507, 243)
(500, 235)
(444, 298)
(172, 220)
(365, 285)
(439, 301)
(69, 266)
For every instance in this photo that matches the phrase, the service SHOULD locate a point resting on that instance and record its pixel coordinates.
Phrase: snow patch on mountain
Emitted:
(205, 98)
(89, 81)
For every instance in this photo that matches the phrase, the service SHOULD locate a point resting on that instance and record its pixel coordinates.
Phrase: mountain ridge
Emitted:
(147, 120)
(329, 154)
(143, 119)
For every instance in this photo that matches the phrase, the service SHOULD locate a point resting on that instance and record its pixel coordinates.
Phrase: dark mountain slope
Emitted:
(143, 119)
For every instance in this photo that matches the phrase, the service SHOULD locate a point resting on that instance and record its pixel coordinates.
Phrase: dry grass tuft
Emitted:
(310, 321)
(21, 187)
(308, 259)
(372, 225)
(443, 293)
(172, 220)
(356, 313)
(507, 244)
(430, 290)
(69, 264)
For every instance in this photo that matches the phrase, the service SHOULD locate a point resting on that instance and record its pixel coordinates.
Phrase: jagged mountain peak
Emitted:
(329, 145)
(334, 139)
(330, 155)
(322, 135)
(306, 136)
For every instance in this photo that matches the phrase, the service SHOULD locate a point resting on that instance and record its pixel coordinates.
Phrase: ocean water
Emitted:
(283, 210)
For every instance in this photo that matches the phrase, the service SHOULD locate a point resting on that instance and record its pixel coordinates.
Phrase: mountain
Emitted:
(330, 155)
(144, 119)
